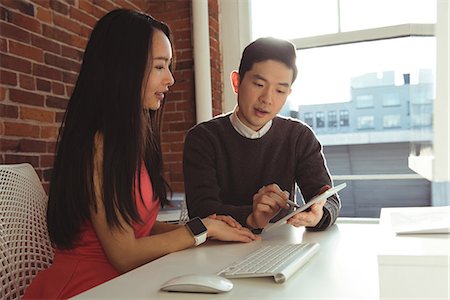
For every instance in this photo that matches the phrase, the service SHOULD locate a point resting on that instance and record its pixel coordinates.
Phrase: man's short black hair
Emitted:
(268, 48)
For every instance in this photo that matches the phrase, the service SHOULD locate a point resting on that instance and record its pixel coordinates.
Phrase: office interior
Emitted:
(42, 44)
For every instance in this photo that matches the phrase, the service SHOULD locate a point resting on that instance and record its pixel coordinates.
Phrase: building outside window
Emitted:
(391, 121)
(365, 122)
(343, 118)
(332, 119)
(309, 119)
(391, 99)
(380, 55)
(364, 101)
(320, 119)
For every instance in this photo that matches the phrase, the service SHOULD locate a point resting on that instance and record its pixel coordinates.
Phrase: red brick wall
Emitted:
(41, 44)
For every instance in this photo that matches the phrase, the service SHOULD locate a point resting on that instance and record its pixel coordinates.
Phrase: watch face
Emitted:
(196, 226)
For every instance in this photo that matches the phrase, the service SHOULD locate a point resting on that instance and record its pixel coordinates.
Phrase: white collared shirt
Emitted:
(244, 130)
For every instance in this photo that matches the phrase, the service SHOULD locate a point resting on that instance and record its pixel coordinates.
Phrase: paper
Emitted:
(417, 220)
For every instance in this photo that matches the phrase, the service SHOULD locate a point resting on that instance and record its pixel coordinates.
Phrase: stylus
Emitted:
(292, 203)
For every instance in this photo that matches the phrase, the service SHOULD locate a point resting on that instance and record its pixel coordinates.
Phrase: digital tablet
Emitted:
(315, 199)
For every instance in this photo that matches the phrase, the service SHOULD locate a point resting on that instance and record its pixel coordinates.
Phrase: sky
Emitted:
(325, 73)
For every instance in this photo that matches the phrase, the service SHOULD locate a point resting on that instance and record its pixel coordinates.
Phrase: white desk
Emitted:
(344, 268)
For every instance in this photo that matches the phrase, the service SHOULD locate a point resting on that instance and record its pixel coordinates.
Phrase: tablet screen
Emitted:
(316, 199)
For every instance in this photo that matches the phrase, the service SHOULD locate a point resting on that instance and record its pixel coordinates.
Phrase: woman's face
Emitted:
(158, 78)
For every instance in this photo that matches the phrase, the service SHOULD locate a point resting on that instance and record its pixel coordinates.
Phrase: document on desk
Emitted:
(418, 220)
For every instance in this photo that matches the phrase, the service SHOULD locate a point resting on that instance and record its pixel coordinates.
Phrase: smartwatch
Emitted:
(197, 229)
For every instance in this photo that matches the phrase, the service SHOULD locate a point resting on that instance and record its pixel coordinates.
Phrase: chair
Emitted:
(25, 247)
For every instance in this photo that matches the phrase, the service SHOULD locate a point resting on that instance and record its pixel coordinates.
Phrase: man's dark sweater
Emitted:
(223, 169)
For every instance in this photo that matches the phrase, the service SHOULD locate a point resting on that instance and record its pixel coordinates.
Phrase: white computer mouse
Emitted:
(196, 283)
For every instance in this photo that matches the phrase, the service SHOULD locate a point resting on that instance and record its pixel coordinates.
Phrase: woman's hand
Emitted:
(227, 219)
(225, 228)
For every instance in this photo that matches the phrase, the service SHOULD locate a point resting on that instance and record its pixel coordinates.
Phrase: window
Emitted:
(343, 118)
(308, 118)
(332, 118)
(391, 99)
(366, 122)
(320, 119)
(391, 121)
(370, 47)
(364, 101)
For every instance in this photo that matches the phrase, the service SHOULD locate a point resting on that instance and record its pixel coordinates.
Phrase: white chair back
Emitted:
(24, 242)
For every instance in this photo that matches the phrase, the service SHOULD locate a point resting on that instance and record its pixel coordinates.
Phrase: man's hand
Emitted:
(267, 202)
(312, 217)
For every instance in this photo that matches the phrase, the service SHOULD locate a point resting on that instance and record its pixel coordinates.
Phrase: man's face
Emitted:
(262, 92)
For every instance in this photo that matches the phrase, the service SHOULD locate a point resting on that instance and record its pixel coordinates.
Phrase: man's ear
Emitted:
(234, 76)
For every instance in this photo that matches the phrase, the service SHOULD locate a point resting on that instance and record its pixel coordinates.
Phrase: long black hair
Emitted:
(107, 100)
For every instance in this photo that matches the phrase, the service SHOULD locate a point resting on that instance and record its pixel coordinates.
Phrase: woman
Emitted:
(107, 181)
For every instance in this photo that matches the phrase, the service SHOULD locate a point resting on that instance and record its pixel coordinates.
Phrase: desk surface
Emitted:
(344, 268)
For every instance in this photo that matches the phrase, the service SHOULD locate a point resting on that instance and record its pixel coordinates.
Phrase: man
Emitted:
(245, 164)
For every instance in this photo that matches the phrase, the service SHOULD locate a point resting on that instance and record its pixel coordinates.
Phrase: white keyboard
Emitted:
(279, 261)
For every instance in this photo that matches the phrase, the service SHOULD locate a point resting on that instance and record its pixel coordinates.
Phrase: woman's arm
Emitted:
(125, 252)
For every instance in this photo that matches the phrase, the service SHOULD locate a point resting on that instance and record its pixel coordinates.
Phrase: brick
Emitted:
(47, 175)
(20, 129)
(58, 88)
(56, 34)
(173, 157)
(69, 77)
(15, 63)
(20, 5)
(9, 111)
(72, 53)
(2, 93)
(173, 116)
(27, 82)
(61, 62)
(8, 145)
(26, 97)
(17, 159)
(59, 7)
(3, 45)
(178, 147)
(25, 21)
(43, 85)
(32, 145)
(9, 78)
(179, 126)
(105, 4)
(81, 16)
(47, 72)
(37, 114)
(86, 6)
(59, 116)
(46, 160)
(173, 137)
(13, 32)
(56, 102)
(49, 132)
(51, 147)
(184, 105)
(66, 23)
(45, 44)
(86, 31)
(44, 15)
(78, 41)
(69, 89)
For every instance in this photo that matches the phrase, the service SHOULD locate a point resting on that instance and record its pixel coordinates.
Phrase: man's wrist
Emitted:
(251, 222)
